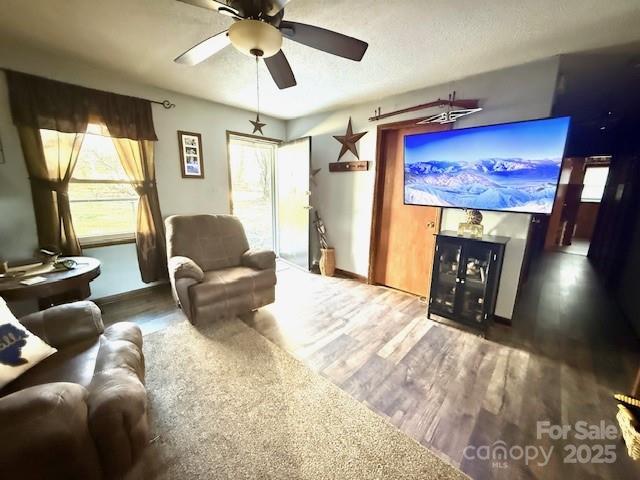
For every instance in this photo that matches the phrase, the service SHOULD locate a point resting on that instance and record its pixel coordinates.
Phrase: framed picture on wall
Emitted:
(191, 161)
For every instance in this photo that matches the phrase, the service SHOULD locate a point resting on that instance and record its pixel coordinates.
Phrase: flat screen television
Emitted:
(511, 167)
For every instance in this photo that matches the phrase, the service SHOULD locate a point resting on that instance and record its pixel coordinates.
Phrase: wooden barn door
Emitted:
(403, 238)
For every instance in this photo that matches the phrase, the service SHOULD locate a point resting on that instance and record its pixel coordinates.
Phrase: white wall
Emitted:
(344, 200)
(18, 238)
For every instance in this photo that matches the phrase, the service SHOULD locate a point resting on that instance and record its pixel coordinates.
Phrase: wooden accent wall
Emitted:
(586, 221)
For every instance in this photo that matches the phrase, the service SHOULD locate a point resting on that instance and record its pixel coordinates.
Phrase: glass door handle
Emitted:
(308, 207)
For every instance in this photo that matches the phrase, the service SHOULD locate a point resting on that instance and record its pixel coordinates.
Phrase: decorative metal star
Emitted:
(348, 141)
(257, 125)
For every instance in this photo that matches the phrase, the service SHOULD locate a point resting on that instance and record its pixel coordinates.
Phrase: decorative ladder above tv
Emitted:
(466, 277)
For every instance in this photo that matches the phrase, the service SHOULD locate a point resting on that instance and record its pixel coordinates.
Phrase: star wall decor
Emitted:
(257, 125)
(348, 141)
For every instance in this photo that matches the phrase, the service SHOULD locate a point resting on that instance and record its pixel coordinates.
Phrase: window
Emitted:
(103, 201)
(595, 179)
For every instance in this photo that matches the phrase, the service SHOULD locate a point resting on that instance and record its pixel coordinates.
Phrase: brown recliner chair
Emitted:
(212, 271)
(82, 412)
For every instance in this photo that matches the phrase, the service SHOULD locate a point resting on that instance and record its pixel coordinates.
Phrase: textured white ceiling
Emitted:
(412, 43)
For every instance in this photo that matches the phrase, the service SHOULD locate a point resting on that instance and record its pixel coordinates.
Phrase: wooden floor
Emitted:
(578, 247)
(568, 350)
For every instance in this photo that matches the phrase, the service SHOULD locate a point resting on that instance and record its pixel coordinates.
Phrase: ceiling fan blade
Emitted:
(325, 40)
(280, 70)
(220, 7)
(204, 49)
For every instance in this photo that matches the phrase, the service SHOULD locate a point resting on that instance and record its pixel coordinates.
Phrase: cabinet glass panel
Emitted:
(476, 273)
(448, 265)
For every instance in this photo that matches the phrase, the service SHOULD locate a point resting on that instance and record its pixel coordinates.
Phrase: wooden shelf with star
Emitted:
(348, 141)
(357, 166)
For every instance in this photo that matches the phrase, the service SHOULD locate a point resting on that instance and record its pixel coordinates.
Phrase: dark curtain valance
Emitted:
(41, 103)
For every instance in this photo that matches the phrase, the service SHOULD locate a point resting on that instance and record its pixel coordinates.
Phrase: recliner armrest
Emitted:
(118, 419)
(184, 267)
(66, 324)
(118, 400)
(45, 434)
(259, 259)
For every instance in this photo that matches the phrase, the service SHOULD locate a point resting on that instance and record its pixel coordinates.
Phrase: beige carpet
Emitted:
(227, 403)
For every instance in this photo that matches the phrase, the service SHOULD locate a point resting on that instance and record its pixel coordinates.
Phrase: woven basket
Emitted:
(327, 261)
(630, 433)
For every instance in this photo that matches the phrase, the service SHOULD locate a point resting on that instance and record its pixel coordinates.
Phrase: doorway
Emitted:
(252, 188)
(402, 237)
(293, 168)
(269, 193)
(575, 211)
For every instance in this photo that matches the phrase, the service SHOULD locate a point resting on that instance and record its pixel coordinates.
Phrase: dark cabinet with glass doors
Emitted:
(466, 275)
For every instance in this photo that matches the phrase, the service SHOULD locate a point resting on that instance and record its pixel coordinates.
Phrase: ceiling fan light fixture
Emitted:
(253, 37)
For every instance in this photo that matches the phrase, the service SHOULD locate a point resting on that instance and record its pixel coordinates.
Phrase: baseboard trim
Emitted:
(118, 297)
(502, 320)
(351, 275)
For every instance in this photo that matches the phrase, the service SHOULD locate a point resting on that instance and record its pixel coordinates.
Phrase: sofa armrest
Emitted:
(118, 420)
(118, 400)
(259, 259)
(184, 267)
(66, 324)
(45, 434)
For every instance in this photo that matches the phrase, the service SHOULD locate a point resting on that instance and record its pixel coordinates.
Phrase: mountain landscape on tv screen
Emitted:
(515, 184)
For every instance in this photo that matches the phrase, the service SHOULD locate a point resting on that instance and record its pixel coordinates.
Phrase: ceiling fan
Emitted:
(258, 30)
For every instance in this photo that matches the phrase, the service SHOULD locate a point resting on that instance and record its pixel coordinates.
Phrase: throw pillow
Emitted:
(19, 348)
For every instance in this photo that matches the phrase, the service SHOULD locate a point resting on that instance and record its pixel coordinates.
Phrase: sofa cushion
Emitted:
(259, 259)
(219, 285)
(211, 241)
(74, 364)
(66, 324)
(20, 349)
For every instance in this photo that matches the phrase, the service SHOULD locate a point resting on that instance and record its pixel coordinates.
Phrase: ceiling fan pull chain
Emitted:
(257, 125)
(257, 89)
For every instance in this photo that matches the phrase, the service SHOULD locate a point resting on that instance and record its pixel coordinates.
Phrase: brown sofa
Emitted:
(82, 412)
(212, 271)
